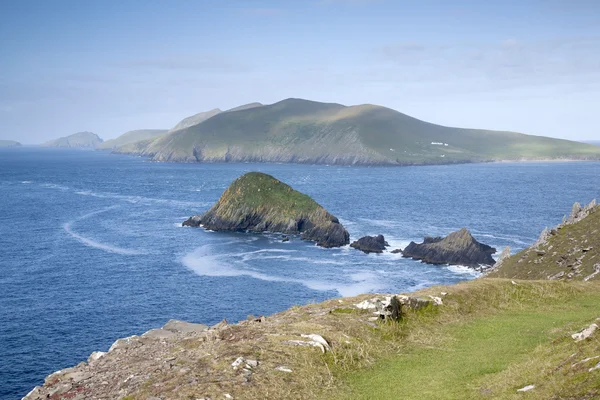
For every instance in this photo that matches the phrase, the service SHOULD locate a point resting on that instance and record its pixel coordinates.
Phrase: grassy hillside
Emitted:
(82, 140)
(131, 137)
(569, 251)
(9, 143)
(489, 338)
(303, 131)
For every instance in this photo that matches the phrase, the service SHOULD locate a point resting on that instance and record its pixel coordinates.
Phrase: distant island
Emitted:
(80, 140)
(9, 143)
(303, 131)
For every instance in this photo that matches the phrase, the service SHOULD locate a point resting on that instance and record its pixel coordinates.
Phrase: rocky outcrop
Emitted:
(567, 251)
(258, 202)
(458, 248)
(370, 244)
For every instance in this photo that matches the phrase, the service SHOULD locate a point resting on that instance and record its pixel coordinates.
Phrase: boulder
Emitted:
(370, 244)
(176, 326)
(257, 202)
(458, 248)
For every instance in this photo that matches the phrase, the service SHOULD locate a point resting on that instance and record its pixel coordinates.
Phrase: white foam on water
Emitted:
(507, 238)
(203, 262)
(26, 182)
(55, 186)
(93, 243)
(382, 223)
(463, 270)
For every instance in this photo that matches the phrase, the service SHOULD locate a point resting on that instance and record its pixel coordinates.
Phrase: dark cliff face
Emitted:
(257, 202)
(458, 248)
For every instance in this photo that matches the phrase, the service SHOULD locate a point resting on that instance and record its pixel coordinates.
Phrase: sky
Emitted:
(113, 66)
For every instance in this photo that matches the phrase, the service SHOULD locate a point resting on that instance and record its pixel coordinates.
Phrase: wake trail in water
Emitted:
(93, 243)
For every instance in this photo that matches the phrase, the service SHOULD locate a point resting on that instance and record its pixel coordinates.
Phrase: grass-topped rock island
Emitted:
(258, 202)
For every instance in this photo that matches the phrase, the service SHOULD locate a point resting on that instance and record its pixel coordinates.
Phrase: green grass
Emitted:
(470, 358)
(259, 191)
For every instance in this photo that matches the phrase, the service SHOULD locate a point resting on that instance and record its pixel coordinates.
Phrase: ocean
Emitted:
(93, 248)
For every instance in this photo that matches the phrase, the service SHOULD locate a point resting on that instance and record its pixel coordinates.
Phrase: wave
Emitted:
(463, 270)
(127, 198)
(203, 262)
(507, 238)
(26, 182)
(142, 199)
(95, 244)
(54, 186)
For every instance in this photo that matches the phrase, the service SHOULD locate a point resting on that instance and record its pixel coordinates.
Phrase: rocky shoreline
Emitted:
(183, 359)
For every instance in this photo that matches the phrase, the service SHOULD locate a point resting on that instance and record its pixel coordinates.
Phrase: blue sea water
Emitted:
(92, 247)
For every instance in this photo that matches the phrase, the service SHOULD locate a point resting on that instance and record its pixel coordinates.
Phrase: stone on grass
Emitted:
(584, 333)
(526, 388)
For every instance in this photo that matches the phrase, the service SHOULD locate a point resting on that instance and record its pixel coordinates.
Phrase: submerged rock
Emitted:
(258, 202)
(370, 244)
(458, 248)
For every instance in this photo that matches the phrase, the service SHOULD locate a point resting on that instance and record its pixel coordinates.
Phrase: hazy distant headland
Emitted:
(80, 140)
(9, 143)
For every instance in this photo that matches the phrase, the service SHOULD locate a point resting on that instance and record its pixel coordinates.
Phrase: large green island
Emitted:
(303, 131)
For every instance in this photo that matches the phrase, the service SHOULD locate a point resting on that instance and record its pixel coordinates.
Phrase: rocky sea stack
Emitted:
(258, 202)
(370, 244)
(458, 248)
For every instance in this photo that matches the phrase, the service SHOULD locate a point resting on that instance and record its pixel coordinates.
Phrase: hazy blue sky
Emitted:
(112, 66)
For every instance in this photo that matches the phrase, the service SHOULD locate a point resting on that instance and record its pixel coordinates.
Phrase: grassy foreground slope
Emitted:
(131, 137)
(490, 338)
(303, 131)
